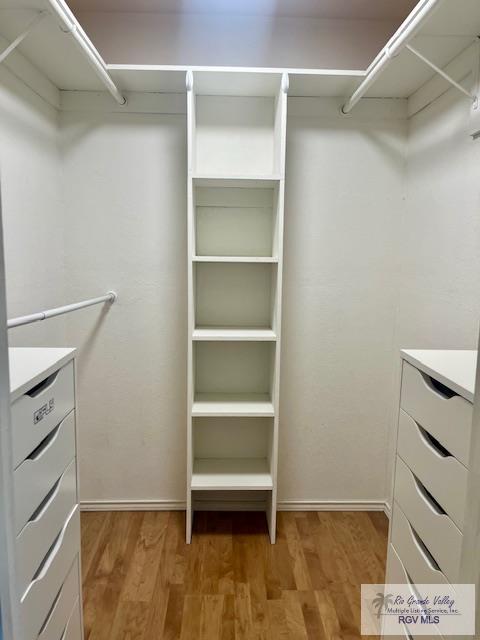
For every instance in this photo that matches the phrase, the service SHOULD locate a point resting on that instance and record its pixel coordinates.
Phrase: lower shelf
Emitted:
(232, 404)
(231, 473)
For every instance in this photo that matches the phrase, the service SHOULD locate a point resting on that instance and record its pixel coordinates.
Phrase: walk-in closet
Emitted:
(239, 310)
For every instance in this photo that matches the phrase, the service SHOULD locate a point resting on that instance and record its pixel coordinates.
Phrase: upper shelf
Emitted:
(450, 30)
(50, 49)
(236, 80)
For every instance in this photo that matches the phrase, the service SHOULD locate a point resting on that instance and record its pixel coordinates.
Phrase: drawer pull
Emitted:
(42, 386)
(46, 444)
(428, 498)
(429, 559)
(49, 558)
(432, 443)
(50, 611)
(47, 501)
(437, 387)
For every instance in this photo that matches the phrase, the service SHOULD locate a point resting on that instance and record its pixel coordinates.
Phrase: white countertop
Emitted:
(30, 365)
(455, 369)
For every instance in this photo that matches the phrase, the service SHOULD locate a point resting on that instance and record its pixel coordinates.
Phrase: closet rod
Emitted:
(71, 26)
(110, 296)
(397, 42)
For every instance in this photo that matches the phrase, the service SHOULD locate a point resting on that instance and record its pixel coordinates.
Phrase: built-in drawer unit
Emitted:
(54, 569)
(443, 413)
(37, 475)
(40, 410)
(438, 532)
(397, 574)
(34, 541)
(431, 470)
(416, 558)
(46, 516)
(439, 472)
(63, 606)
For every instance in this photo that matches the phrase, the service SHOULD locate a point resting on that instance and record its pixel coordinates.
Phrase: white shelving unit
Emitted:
(236, 168)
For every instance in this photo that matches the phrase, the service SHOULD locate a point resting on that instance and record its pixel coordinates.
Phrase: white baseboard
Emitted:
(285, 505)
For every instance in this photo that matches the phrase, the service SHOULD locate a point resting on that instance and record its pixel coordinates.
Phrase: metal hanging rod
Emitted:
(110, 296)
(397, 42)
(6, 52)
(441, 72)
(70, 25)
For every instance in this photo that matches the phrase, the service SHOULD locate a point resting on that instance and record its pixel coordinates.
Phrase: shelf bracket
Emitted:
(19, 39)
(442, 73)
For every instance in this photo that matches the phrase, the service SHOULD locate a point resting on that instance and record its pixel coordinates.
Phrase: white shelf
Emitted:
(51, 50)
(254, 259)
(231, 334)
(450, 30)
(242, 181)
(231, 473)
(233, 404)
(237, 81)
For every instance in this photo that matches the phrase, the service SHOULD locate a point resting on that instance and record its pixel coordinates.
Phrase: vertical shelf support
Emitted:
(191, 312)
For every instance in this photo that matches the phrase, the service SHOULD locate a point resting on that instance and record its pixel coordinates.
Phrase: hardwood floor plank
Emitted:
(142, 582)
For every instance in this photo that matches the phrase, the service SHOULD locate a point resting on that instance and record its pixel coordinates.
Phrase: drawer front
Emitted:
(41, 592)
(37, 475)
(416, 559)
(448, 419)
(36, 413)
(37, 536)
(61, 610)
(441, 474)
(440, 535)
(73, 630)
(396, 574)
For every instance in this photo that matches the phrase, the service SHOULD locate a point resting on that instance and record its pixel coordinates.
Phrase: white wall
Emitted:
(343, 210)
(33, 216)
(149, 38)
(125, 191)
(439, 295)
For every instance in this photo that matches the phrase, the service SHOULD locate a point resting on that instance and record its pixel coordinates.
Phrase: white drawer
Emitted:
(441, 474)
(35, 477)
(40, 595)
(73, 630)
(416, 559)
(40, 410)
(448, 419)
(62, 607)
(439, 533)
(38, 534)
(396, 574)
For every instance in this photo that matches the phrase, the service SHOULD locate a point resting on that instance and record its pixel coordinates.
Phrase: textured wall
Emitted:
(343, 210)
(33, 216)
(125, 184)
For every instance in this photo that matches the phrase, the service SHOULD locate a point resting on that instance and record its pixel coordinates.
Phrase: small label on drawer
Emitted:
(421, 609)
(44, 410)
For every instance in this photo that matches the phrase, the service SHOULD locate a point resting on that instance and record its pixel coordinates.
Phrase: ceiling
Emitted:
(336, 9)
